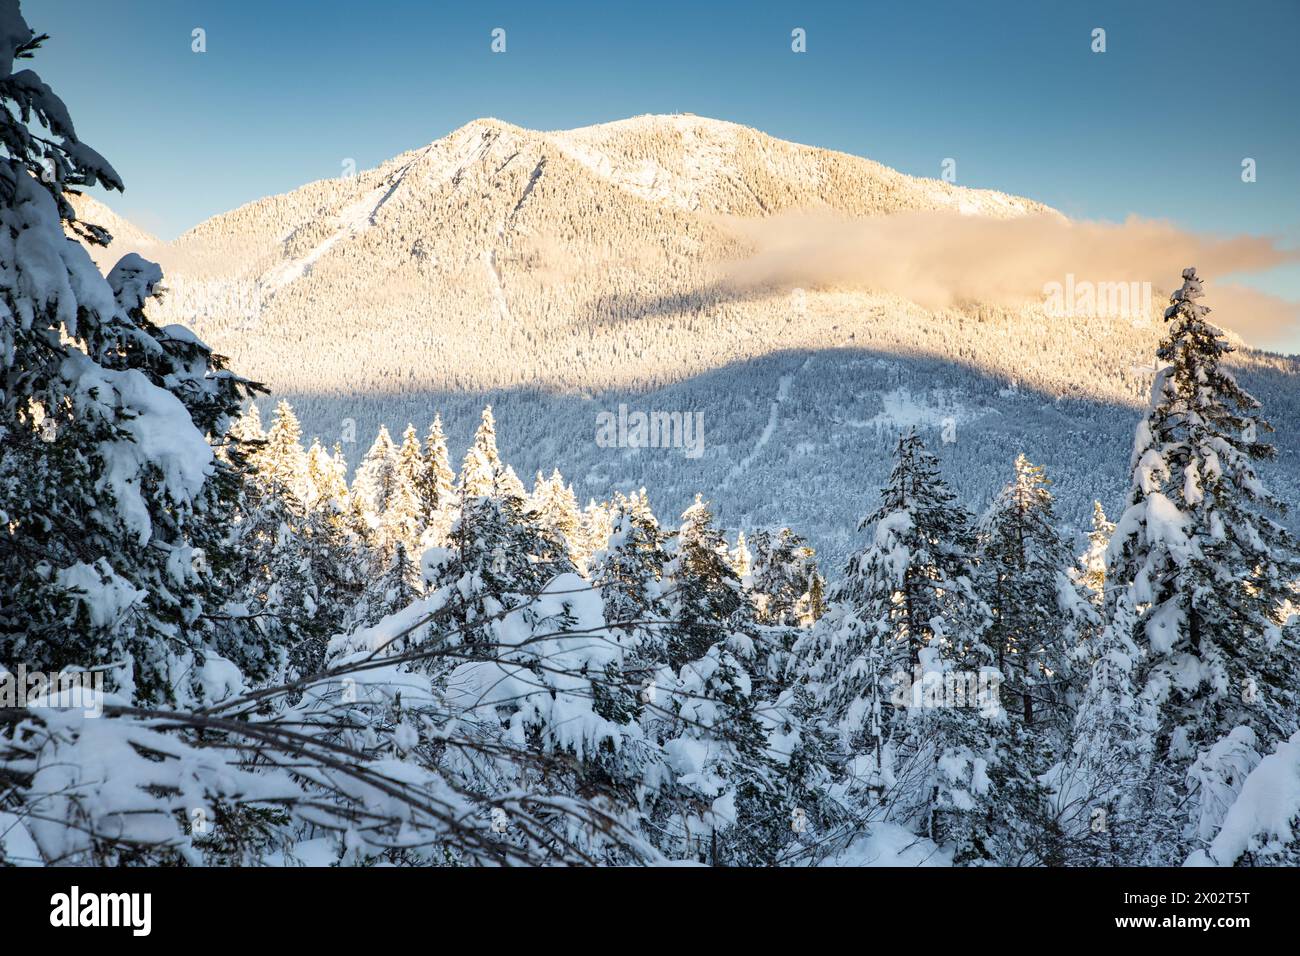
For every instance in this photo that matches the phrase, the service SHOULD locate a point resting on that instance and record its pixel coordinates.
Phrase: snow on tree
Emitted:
(376, 481)
(112, 496)
(1261, 825)
(481, 472)
(741, 560)
(706, 596)
(1197, 568)
(327, 482)
(782, 577)
(436, 486)
(901, 666)
(1038, 615)
(915, 577)
(595, 526)
(495, 558)
(556, 508)
(247, 427)
(629, 573)
(281, 460)
(395, 588)
(402, 521)
(728, 807)
(1091, 572)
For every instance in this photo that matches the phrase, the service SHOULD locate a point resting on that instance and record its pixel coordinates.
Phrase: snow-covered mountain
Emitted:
(561, 275)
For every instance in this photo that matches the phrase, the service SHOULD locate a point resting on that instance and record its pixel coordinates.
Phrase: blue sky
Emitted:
(1157, 125)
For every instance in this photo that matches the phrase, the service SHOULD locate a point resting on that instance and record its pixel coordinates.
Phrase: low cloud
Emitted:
(940, 259)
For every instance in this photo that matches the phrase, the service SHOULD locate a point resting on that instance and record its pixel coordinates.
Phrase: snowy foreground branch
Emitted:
(366, 761)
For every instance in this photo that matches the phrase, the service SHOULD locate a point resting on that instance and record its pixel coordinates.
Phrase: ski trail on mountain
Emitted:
(354, 219)
(494, 283)
(528, 190)
(773, 416)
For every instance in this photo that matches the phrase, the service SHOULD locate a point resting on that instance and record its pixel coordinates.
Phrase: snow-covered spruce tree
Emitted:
(961, 769)
(391, 590)
(727, 806)
(436, 487)
(301, 567)
(901, 667)
(1091, 572)
(281, 461)
(842, 664)
(556, 508)
(816, 599)
(402, 521)
(595, 527)
(376, 480)
(741, 559)
(705, 595)
(1198, 571)
(782, 576)
(327, 482)
(629, 574)
(1103, 794)
(278, 596)
(911, 584)
(1039, 617)
(915, 578)
(497, 553)
(481, 471)
(113, 503)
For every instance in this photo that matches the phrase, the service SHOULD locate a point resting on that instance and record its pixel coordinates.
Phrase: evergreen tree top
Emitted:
(58, 162)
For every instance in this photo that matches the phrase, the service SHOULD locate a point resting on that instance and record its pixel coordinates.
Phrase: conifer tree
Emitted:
(783, 573)
(629, 574)
(496, 558)
(594, 529)
(481, 472)
(915, 577)
(376, 480)
(1091, 572)
(282, 461)
(391, 591)
(1038, 616)
(1198, 569)
(402, 521)
(1105, 797)
(326, 481)
(705, 593)
(556, 508)
(247, 428)
(436, 488)
(111, 496)
(729, 808)
(741, 560)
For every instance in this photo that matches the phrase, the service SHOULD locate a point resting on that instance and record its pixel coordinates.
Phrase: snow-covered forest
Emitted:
(414, 660)
(557, 275)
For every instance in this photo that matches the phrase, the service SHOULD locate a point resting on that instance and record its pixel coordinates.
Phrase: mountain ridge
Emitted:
(567, 272)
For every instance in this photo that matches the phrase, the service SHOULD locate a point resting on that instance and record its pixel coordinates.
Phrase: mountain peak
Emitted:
(587, 266)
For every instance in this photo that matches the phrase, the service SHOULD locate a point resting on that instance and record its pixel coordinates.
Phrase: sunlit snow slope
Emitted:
(561, 274)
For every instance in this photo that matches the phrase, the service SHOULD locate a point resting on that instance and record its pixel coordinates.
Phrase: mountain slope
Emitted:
(563, 274)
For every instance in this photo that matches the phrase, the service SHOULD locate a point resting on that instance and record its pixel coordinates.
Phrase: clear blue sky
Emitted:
(1157, 125)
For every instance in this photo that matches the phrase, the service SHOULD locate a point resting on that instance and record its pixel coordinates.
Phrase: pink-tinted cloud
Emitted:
(941, 259)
